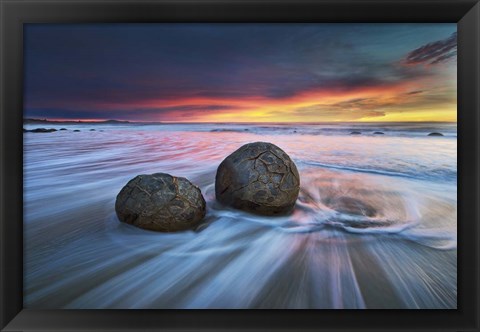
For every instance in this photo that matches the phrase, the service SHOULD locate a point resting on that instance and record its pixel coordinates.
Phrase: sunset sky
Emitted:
(241, 72)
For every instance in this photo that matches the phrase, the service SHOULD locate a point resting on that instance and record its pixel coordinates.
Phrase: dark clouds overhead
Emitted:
(435, 52)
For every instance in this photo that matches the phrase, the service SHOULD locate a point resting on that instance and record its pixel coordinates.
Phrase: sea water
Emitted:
(78, 255)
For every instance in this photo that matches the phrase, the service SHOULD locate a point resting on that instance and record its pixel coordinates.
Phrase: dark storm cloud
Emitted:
(126, 64)
(435, 52)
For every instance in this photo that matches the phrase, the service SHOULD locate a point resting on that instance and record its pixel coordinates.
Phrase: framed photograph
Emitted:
(240, 165)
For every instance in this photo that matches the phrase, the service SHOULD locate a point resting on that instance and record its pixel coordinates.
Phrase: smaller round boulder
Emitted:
(259, 178)
(435, 134)
(160, 202)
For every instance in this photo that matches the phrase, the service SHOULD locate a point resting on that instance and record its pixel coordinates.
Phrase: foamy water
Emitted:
(403, 255)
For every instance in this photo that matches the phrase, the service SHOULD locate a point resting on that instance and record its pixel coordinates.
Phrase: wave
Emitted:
(443, 175)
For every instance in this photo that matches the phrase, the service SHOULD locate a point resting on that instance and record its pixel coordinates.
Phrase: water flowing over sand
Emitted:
(401, 253)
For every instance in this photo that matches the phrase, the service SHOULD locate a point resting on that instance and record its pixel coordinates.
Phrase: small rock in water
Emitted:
(435, 134)
(259, 178)
(349, 205)
(160, 202)
(63, 128)
(378, 133)
(76, 130)
(92, 129)
(355, 133)
(42, 130)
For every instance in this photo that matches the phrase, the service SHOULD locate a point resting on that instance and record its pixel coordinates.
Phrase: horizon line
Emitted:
(230, 122)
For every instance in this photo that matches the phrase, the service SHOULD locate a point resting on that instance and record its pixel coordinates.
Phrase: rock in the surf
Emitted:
(160, 202)
(435, 134)
(259, 178)
(378, 133)
(42, 130)
(355, 133)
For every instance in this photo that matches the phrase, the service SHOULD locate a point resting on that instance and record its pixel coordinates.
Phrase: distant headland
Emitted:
(40, 121)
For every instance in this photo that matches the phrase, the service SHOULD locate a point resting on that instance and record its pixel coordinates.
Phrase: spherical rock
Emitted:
(160, 202)
(259, 178)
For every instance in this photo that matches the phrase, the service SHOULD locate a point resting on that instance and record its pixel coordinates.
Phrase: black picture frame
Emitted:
(14, 13)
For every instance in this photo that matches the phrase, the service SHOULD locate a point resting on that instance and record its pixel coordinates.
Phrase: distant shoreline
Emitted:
(47, 121)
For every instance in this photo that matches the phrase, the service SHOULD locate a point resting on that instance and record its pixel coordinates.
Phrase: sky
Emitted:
(212, 72)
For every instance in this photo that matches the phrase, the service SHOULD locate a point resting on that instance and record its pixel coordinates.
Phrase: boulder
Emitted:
(160, 202)
(378, 133)
(42, 130)
(435, 134)
(259, 178)
(355, 133)
(63, 128)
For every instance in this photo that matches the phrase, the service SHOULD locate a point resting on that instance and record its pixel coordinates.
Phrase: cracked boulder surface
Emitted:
(259, 178)
(160, 202)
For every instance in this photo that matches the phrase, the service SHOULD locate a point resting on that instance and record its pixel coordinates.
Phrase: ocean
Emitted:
(77, 255)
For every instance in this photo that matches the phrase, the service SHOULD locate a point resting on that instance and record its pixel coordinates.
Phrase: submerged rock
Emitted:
(92, 129)
(259, 178)
(378, 133)
(435, 134)
(160, 202)
(355, 133)
(76, 130)
(63, 128)
(349, 205)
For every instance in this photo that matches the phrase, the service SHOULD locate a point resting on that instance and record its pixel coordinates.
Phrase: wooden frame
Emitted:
(15, 13)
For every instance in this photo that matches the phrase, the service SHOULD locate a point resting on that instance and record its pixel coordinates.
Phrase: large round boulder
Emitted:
(160, 202)
(259, 178)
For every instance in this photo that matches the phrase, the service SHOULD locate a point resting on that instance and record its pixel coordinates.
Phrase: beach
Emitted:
(77, 255)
